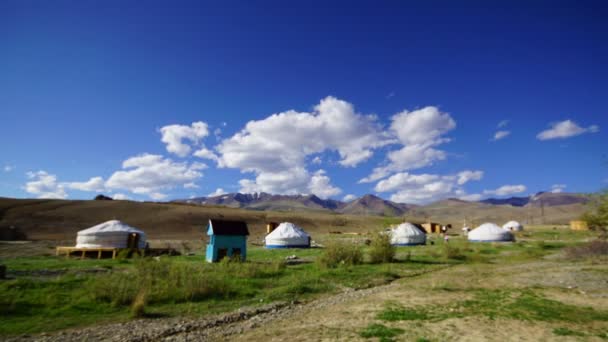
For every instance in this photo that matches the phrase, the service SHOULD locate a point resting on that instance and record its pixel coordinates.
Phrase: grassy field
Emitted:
(87, 292)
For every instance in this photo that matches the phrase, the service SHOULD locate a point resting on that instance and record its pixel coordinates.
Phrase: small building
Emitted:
(431, 227)
(407, 234)
(108, 237)
(287, 235)
(513, 226)
(226, 239)
(490, 232)
(579, 225)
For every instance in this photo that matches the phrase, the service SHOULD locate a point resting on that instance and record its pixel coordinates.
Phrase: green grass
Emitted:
(384, 333)
(186, 285)
(567, 332)
(525, 305)
(174, 286)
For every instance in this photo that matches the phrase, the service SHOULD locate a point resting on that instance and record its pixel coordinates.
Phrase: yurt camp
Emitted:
(109, 236)
(513, 226)
(407, 234)
(287, 235)
(490, 232)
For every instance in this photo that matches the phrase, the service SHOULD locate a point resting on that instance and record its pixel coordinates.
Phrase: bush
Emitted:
(339, 253)
(139, 305)
(454, 253)
(381, 249)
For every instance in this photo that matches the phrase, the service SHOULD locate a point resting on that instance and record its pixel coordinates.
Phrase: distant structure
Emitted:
(287, 235)
(113, 234)
(579, 225)
(226, 239)
(513, 226)
(490, 232)
(108, 237)
(407, 234)
(431, 227)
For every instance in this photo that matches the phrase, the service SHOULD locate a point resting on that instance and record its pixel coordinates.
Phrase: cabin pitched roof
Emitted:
(223, 227)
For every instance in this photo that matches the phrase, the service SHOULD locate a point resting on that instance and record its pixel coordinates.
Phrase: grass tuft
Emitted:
(383, 332)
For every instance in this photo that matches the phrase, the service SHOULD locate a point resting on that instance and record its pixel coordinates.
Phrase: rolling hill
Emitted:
(61, 219)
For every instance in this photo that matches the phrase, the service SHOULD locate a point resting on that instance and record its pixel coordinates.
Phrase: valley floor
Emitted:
(526, 291)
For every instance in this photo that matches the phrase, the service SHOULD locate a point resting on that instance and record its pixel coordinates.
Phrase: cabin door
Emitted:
(133, 240)
(222, 253)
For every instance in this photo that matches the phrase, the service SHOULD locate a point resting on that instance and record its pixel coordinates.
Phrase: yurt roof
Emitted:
(512, 224)
(108, 227)
(407, 228)
(490, 231)
(287, 230)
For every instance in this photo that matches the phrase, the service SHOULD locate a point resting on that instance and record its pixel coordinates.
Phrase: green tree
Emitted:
(597, 215)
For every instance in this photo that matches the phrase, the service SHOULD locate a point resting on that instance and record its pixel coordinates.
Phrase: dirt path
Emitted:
(343, 316)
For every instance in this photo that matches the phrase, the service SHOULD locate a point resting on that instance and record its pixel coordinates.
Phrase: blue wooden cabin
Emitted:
(226, 239)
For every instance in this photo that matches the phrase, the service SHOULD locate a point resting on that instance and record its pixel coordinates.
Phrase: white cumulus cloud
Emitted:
(276, 148)
(120, 197)
(320, 185)
(423, 188)
(174, 136)
(503, 123)
(506, 190)
(44, 185)
(420, 132)
(557, 188)
(349, 198)
(468, 175)
(150, 174)
(217, 192)
(94, 184)
(501, 135)
(8, 168)
(565, 129)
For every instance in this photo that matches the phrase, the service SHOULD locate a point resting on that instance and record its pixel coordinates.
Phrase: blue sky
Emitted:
(164, 100)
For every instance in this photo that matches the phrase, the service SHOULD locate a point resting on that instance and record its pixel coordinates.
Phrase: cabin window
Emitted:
(236, 252)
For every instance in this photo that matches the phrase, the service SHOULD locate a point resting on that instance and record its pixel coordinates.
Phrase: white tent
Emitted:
(407, 234)
(489, 232)
(513, 226)
(109, 234)
(287, 235)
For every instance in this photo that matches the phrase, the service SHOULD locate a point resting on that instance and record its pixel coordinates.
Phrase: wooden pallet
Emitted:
(69, 250)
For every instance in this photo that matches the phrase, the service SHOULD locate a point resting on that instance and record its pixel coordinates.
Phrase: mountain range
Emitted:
(370, 204)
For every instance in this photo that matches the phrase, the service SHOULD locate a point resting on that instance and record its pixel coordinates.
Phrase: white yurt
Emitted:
(287, 235)
(489, 232)
(513, 226)
(407, 234)
(110, 234)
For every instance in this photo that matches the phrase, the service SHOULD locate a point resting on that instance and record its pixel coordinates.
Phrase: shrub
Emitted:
(340, 253)
(454, 253)
(139, 304)
(381, 249)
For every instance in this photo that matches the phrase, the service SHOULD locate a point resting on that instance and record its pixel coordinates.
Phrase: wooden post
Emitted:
(99, 254)
(82, 256)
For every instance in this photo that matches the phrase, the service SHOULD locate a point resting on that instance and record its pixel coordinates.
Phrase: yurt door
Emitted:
(133, 240)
